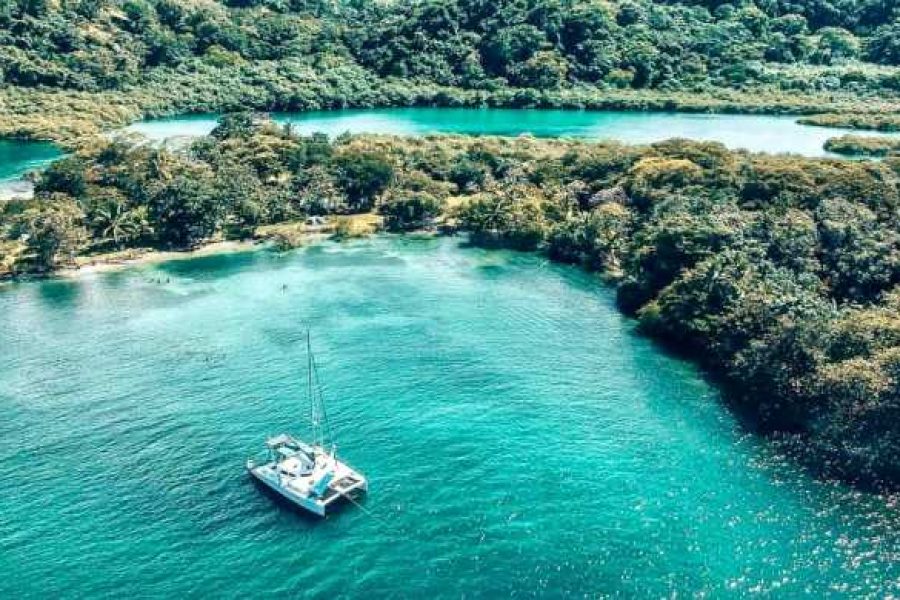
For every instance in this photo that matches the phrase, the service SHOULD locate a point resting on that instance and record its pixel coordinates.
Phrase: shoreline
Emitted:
(801, 448)
(135, 257)
(19, 186)
(266, 236)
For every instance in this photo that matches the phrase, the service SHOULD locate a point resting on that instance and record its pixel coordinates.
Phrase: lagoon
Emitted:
(520, 439)
(757, 133)
(18, 157)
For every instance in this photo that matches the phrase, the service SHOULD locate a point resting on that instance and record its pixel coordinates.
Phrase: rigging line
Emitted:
(323, 413)
(313, 416)
(320, 423)
(365, 510)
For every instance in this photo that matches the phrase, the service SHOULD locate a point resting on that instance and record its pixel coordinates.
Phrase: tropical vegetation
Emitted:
(781, 274)
(873, 121)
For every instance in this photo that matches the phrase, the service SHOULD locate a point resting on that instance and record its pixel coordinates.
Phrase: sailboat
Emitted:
(308, 474)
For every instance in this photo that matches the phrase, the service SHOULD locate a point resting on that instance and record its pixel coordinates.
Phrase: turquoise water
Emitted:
(519, 437)
(759, 133)
(19, 156)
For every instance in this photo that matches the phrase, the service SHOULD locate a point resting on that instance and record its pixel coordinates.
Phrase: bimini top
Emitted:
(285, 440)
(282, 440)
(285, 446)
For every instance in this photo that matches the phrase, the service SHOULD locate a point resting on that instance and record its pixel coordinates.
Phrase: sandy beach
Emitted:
(142, 256)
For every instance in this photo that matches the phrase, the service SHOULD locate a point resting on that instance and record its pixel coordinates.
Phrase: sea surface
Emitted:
(520, 440)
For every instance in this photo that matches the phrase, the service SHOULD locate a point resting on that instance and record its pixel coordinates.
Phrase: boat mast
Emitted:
(321, 428)
(314, 415)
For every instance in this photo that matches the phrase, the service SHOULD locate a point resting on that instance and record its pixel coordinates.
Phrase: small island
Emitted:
(858, 145)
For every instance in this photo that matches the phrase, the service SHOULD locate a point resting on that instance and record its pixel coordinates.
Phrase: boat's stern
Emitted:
(348, 485)
(308, 476)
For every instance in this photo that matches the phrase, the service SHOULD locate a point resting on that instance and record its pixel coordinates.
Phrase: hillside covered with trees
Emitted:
(161, 56)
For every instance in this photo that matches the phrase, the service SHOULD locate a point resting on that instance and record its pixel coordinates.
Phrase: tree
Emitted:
(884, 45)
(318, 192)
(34, 8)
(141, 16)
(511, 215)
(65, 176)
(308, 151)
(405, 210)
(511, 45)
(112, 218)
(362, 175)
(544, 70)
(165, 48)
(651, 177)
(861, 255)
(467, 174)
(52, 232)
(836, 44)
(185, 208)
(234, 124)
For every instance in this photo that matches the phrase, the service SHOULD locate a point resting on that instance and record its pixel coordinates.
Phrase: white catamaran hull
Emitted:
(349, 484)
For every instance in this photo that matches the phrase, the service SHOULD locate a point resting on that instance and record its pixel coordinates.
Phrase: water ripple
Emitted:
(519, 438)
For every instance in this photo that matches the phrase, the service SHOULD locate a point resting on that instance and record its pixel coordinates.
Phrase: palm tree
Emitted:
(120, 223)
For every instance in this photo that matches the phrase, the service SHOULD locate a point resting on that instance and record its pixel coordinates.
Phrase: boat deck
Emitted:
(298, 489)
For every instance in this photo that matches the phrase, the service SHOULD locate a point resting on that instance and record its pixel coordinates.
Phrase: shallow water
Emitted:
(519, 437)
(19, 156)
(759, 133)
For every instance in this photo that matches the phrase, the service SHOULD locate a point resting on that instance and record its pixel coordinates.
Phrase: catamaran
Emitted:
(309, 475)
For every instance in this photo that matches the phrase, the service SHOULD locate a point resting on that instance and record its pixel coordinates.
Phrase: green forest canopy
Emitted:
(69, 68)
(807, 45)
